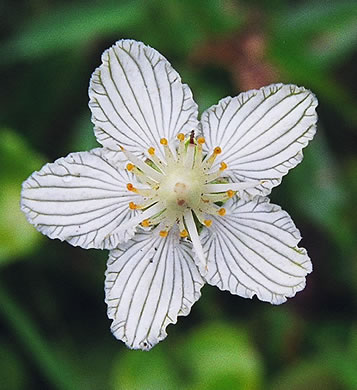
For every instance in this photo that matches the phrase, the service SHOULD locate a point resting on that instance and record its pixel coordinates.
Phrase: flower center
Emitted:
(183, 189)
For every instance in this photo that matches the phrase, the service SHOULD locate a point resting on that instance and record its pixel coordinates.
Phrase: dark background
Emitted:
(54, 333)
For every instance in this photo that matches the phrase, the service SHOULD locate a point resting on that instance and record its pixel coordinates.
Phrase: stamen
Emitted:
(132, 206)
(198, 156)
(208, 222)
(195, 239)
(230, 193)
(155, 220)
(181, 147)
(130, 187)
(134, 221)
(219, 197)
(142, 177)
(151, 172)
(207, 207)
(130, 166)
(145, 223)
(163, 233)
(231, 186)
(168, 152)
(148, 202)
(223, 166)
(222, 212)
(212, 176)
(184, 233)
(181, 223)
(153, 157)
(210, 160)
(190, 155)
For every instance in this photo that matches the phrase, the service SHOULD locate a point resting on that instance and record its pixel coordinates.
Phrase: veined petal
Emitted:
(149, 282)
(262, 133)
(253, 251)
(81, 198)
(137, 98)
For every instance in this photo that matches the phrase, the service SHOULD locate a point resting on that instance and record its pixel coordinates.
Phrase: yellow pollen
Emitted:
(151, 151)
(181, 136)
(222, 212)
(201, 140)
(130, 187)
(217, 150)
(230, 193)
(163, 233)
(130, 166)
(132, 206)
(163, 141)
(145, 223)
(208, 222)
(223, 166)
(183, 233)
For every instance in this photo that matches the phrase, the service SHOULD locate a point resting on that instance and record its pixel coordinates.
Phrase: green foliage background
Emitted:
(54, 333)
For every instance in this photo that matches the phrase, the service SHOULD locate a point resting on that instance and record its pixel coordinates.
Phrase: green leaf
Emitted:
(69, 26)
(145, 370)
(221, 356)
(17, 236)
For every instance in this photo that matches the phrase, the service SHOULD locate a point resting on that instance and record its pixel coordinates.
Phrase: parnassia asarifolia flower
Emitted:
(177, 201)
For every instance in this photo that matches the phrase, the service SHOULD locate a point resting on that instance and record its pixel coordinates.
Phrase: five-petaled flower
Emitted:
(177, 201)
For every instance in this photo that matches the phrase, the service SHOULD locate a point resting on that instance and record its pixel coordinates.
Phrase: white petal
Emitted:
(149, 282)
(81, 198)
(136, 98)
(252, 250)
(262, 132)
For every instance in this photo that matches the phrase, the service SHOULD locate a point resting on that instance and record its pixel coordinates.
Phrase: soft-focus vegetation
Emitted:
(54, 330)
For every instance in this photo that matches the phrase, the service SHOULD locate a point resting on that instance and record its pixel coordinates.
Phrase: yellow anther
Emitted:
(201, 140)
(163, 233)
(230, 193)
(208, 222)
(183, 233)
(223, 166)
(132, 206)
(130, 187)
(130, 166)
(145, 223)
(217, 150)
(163, 141)
(181, 136)
(222, 212)
(151, 151)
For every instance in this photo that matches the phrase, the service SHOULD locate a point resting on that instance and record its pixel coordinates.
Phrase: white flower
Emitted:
(150, 194)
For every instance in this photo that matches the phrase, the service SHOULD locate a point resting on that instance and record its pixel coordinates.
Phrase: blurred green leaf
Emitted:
(305, 42)
(69, 26)
(12, 371)
(327, 29)
(83, 137)
(17, 236)
(151, 370)
(315, 188)
(221, 356)
(55, 370)
(310, 374)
